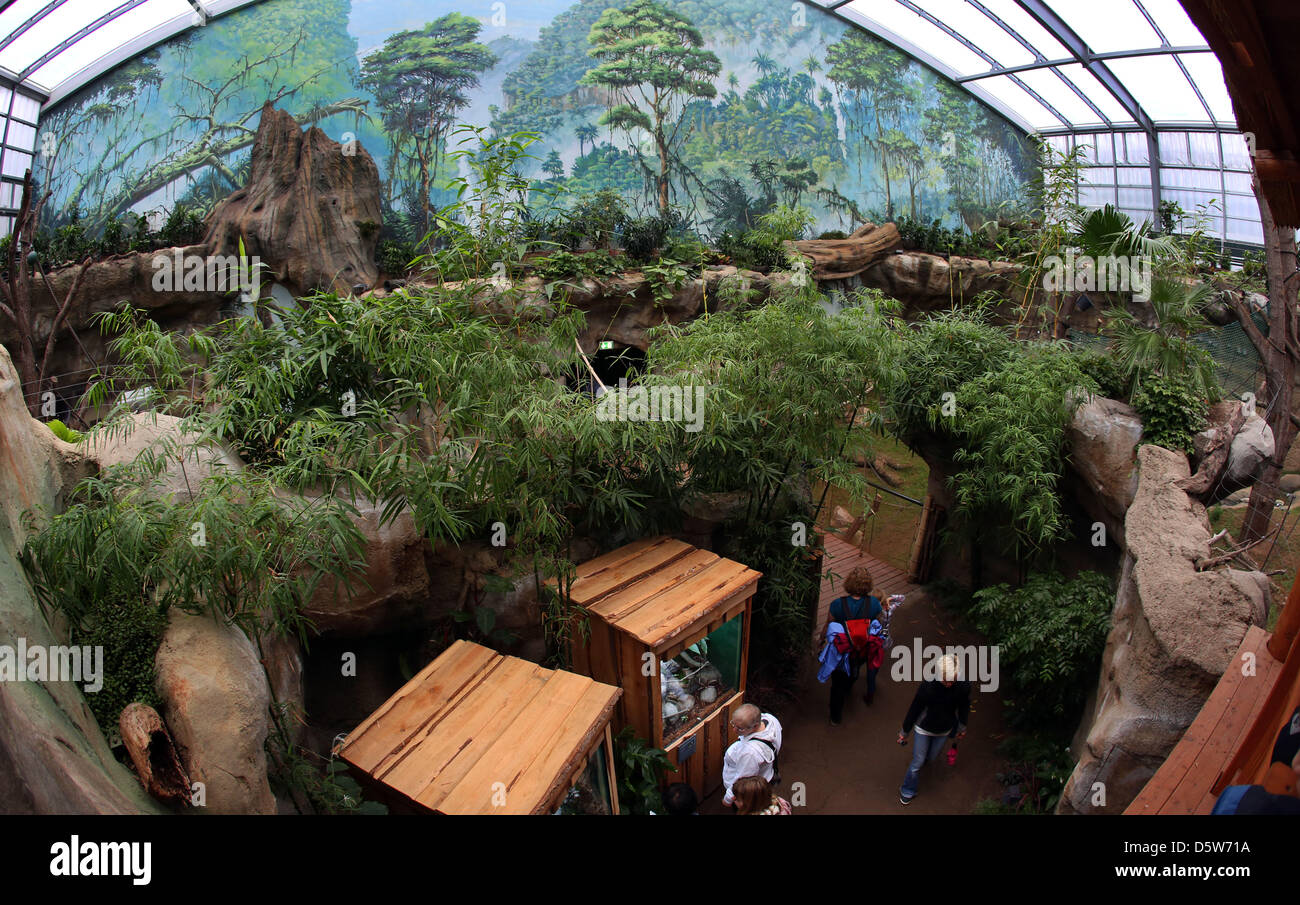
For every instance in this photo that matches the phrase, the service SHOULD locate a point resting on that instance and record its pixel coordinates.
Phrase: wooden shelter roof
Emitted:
(474, 718)
(654, 589)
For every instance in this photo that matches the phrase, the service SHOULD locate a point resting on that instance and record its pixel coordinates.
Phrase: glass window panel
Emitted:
(1207, 73)
(1134, 176)
(10, 195)
(1137, 146)
(1191, 179)
(1017, 99)
(1133, 197)
(21, 135)
(26, 108)
(1245, 231)
(1204, 148)
(1173, 148)
(1107, 25)
(1140, 214)
(1190, 201)
(1236, 153)
(1243, 208)
(1173, 22)
(4, 100)
(700, 679)
(16, 163)
(1103, 144)
(1096, 196)
(930, 38)
(1097, 176)
(7, 226)
(1161, 88)
(1238, 182)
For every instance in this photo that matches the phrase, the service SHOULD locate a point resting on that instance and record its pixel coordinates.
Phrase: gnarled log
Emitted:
(839, 259)
(153, 753)
(1216, 456)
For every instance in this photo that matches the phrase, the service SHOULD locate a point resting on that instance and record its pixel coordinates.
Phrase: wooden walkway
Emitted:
(1183, 783)
(841, 559)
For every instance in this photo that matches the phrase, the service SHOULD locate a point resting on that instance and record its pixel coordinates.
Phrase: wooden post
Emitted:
(1288, 625)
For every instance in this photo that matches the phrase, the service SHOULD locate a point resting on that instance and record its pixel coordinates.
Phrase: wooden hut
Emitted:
(669, 624)
(478, 732)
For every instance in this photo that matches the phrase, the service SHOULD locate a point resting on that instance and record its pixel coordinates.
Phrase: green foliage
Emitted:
(565, 265)
(1003, 423)
(1172, 412)
(1105, 372)
(63, 432)
(395, 257)
(485, 227)
(1050, 634)
(642, 237)
(325, 789)
(1166, 349)
(640, 774)
(756, 249)
(129, 629)
(1038, 767)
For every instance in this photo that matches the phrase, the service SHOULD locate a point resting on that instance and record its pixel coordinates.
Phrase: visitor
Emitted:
(854, 612)
(754, 795)
(680, 800)
(939, 711)
(754, 752)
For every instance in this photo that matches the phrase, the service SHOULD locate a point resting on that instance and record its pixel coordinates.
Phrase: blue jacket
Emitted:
(830, 658)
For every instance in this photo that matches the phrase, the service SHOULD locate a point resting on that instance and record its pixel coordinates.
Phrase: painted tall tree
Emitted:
(656, 61)
(876, 80)
(420, 79)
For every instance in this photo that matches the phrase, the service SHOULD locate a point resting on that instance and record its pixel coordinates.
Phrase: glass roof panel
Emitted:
(972, 24)
(929, 38)
(1206, 72)
(1173, 22)
(1097, 93)
(1015, 97)
(115, 33)
(1107, 25)
(1161, 88)
(1051, 88)
(1025, 25)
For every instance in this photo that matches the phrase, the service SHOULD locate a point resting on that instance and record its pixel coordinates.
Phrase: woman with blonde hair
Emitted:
(754, 795)
(939, 711)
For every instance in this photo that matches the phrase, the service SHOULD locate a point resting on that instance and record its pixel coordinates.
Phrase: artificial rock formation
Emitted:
(216, 701)
(311, 209)
(1102, 439)
(187, 464)
(53, 757)
(1174, 632)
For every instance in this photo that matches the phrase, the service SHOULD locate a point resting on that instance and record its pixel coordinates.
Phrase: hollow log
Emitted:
(1216, 456)
(153, 753)
(839, 259)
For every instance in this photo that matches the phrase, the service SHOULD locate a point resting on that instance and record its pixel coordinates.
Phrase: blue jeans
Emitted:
(924, 748)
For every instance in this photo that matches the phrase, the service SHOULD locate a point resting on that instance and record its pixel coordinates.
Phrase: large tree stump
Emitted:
(839, 259)
(310, 211)
(153, 753)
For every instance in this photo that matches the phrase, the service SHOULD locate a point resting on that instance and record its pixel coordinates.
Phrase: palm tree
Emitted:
(764, 63)
(812, 65)
(1166, 350)
(586, 133)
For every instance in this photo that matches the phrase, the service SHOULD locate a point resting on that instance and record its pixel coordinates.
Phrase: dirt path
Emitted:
(857, 767)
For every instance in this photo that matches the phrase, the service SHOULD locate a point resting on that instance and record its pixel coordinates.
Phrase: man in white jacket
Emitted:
(754, 753)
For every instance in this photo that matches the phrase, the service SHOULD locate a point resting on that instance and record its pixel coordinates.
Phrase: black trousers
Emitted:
(841, 685)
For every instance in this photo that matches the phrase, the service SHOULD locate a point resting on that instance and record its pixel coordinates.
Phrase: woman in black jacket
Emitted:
(938, 712)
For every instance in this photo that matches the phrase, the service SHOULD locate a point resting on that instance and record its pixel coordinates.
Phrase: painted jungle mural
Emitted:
(717, 109)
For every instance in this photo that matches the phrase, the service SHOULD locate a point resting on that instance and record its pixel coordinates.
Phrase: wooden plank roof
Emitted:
(655, 588)
(478, 732)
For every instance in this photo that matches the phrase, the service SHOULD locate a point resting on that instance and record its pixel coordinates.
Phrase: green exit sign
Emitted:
(606, 344)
